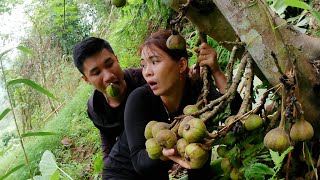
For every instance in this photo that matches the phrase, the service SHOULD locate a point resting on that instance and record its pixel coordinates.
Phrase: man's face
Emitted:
(102, 69)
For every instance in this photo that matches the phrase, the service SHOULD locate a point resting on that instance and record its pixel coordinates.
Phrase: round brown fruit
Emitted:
(158, 127)
(181, 146)
(253, 122)
(184, 121)
(113, 90)
(222, 150)
(166, 138)
(154, 150)
(195, 130)
(302, 130)
(148, 129)
(277, 140)
(176, 41)
(226, 166)
(196, 155)
(189, 109)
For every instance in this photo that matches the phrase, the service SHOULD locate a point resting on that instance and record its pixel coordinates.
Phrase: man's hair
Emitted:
(87, 48)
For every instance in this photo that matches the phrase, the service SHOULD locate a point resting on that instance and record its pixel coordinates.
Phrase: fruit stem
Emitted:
(205, 89)
(230, 94)
(229, 67)
(283, 118)
(199, 103)
(247, 99)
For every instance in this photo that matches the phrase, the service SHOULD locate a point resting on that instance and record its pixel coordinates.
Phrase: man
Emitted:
(99, 66)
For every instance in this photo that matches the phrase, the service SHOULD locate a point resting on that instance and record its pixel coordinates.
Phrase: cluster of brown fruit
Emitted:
(224, 150)
(186, 136)
(278, 139)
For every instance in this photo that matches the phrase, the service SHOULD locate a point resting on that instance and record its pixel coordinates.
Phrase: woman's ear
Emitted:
(183, 64)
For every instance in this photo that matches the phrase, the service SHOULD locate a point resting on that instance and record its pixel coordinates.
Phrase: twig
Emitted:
(206, 86)
(265, 96)
(288, 165)
(276, 62)
(176, 171)
(231, 91)
(235, 43)
(182, 11)
(230, 65)
(248, 83)
(225, 129)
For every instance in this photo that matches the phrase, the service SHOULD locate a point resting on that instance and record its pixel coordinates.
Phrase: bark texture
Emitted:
(264, 33)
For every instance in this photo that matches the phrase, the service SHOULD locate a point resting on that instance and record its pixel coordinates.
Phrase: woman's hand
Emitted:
(208, 56)
(173, 155)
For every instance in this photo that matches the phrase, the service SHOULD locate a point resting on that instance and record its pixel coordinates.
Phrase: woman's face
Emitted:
(161, 72)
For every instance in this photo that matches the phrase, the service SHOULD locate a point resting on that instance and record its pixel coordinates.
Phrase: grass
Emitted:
(70, 122)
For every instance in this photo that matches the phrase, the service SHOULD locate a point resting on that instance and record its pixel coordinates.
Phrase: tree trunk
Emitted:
(264, 34)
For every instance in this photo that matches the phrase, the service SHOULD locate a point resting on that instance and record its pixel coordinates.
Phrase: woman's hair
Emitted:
(159, 39)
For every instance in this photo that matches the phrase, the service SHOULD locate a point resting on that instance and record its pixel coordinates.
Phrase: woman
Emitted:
(167, 92)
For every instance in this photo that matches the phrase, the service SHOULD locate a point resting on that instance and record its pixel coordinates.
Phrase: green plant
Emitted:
(34, 86)
(49, 168)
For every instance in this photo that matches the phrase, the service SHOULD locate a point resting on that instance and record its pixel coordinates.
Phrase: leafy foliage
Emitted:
(8, 5)
(4, 113)
(278, 159)
(64, 23)
(33, 85)
(11, 171)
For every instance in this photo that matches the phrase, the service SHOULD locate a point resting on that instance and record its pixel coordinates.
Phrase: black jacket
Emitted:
(107, 119)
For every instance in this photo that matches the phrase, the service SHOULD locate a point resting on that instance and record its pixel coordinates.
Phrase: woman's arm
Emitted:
(136, 116)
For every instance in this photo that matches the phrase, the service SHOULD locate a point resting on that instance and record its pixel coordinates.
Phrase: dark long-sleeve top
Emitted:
(107, 119)
(128, 158)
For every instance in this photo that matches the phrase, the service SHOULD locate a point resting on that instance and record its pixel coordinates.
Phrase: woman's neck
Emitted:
(173, 100)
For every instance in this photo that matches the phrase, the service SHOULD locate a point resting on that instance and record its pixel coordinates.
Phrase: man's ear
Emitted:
(116, 58)
(85, 79)
(183, 64)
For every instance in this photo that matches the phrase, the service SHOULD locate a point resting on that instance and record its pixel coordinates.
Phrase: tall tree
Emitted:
(269, 40)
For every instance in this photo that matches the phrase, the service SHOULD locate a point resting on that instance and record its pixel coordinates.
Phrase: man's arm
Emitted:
(107, 142)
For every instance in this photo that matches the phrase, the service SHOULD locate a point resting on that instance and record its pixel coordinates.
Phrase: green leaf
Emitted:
(38, 134)
(5, 150)
(316, 14)
(4, 113)
(26, 50)
(5, 52)
(298, 4)
(279, 6)
(33, 85)
(278, 159)
(48, 165)
(258, 171)
(55, 175)
(41, 178)
(98, 164)
(11, 171)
